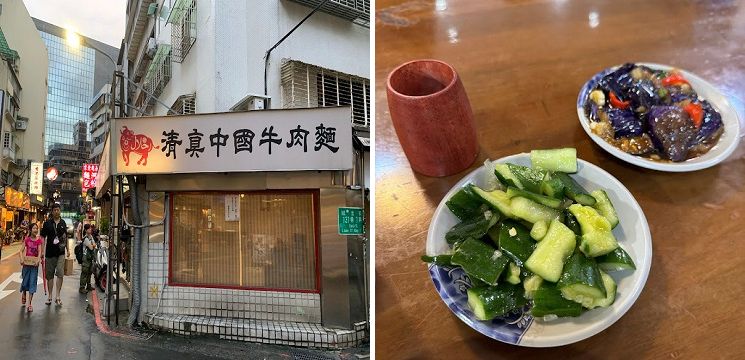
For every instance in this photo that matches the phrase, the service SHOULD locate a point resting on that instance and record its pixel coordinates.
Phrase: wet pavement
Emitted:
(69, 331)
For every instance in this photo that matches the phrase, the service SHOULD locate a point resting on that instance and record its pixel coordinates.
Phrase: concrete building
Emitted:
(76, 73)
(202, 56)
(100, 113)
(23, 82)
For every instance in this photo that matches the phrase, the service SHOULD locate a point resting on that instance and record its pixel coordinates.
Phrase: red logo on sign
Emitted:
(136, 143)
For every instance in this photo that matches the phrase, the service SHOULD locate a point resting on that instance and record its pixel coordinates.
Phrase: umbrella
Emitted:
(43, 274)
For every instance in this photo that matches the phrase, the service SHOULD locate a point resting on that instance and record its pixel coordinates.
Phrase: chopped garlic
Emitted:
(497, 254)
(598, 97)
(513, 232)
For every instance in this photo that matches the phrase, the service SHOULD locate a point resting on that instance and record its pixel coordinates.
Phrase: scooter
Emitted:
(101, 264)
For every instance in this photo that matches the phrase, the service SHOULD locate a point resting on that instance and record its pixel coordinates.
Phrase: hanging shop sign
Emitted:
(90, 172)
(266, 140)
(17, 199)
(35, 178)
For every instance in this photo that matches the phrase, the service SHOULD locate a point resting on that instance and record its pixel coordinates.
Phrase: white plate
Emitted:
(727, 142)
(520, 328)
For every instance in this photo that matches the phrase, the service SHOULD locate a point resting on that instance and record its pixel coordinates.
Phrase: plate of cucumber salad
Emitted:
(540, 249)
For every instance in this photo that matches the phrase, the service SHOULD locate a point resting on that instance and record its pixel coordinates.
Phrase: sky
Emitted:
(101, 20)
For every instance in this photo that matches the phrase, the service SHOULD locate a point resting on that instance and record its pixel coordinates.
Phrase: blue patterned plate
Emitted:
(519, 328)
(727, 142)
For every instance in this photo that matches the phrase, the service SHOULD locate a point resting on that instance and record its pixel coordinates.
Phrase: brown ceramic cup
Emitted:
(432, 117)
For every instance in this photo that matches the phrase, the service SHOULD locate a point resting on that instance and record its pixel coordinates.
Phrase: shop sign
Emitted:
(232, 207)
(90, 172)
(351, 221)
(264, 140)
(17, 199)
(36, 176)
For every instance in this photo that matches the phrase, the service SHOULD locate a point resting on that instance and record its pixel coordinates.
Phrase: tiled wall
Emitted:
(226, 303)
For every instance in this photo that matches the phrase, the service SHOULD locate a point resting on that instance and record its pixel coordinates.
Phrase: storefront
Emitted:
(17, 210)
(245, 239)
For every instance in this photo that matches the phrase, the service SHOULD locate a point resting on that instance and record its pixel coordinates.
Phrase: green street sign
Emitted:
(351, 221)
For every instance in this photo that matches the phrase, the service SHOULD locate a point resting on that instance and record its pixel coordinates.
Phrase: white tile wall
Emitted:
(240, 304)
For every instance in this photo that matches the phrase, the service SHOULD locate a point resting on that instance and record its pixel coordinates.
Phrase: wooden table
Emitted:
(522, 64)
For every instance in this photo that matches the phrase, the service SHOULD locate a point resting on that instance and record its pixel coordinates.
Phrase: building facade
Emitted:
(295, 280)
(76, 73)
(23, 83)
(100, 113)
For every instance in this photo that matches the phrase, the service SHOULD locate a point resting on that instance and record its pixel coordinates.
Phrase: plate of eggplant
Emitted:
(658, 117)
(539, 249)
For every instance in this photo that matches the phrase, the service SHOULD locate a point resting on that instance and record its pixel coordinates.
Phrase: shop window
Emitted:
(257, 240)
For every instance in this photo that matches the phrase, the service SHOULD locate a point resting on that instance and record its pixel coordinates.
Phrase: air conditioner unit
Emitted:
(253, 102)
(152, 46)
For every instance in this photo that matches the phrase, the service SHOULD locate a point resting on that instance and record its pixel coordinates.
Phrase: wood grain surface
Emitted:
(522, 64)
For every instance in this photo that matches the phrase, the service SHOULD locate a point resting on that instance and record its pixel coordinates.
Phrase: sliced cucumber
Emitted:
(616, 260)
(465, 204)
(597, 238)
(531, 284)
(529, 178)
(441, 260)
(605, 207)
(571, 222)
(610, 290)
(480, 261)
(506, 177)
(492, 301)
(538, 231)
(475, 227)
(548, 300)
(581, 280)
(498, 199)
(514, 241)
(532, 211)
(552, 186)
(564, 160)
(549, 256)
(541, 199)
(513, 274)
(573, 190)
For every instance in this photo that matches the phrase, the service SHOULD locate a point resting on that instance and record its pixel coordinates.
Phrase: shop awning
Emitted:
(103, 179)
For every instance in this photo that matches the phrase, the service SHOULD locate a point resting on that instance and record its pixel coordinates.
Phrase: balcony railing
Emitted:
(184, 28)
(159, 72)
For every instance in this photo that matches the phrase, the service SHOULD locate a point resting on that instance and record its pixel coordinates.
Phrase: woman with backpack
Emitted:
(31, 254)
(89, 245)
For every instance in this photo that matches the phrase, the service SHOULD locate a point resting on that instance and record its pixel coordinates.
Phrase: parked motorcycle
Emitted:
(101, 264)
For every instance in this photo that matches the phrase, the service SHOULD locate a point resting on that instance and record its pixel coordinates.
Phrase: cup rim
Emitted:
(438, 92)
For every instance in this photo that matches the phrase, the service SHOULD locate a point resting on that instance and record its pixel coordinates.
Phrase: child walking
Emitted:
(31, 254)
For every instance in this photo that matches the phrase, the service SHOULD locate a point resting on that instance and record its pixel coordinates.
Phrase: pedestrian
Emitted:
(31, 253)
(54, 231)
(89, 246)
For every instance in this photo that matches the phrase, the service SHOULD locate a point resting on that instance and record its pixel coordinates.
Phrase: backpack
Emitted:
(79, 253)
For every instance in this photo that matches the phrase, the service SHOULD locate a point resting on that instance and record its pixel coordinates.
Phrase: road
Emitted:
(69, 331)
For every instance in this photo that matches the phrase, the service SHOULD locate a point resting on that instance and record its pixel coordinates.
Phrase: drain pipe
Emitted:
(135, 245)
(269, 52)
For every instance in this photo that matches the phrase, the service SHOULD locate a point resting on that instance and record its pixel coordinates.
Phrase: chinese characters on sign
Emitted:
(17, 199)
(269, 140)
(232, 207)
(90, 171)
(351, 221)
(35, 178)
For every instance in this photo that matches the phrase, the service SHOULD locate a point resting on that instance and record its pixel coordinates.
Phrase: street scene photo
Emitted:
(185, 179)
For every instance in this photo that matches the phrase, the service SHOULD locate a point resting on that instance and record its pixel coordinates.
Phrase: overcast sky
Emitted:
(102, 20)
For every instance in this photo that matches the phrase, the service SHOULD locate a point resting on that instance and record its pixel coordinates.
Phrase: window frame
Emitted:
(315, 197)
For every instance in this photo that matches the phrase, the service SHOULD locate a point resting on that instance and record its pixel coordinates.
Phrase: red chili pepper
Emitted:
(674, 79)
(696, 113)
(617, 103)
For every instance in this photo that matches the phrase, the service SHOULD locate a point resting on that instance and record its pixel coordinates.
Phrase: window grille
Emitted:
(357, 11)
(159, 72)
(184, 28)
(305, 85)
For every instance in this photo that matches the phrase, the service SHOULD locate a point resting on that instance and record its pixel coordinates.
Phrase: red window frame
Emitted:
(316, 226)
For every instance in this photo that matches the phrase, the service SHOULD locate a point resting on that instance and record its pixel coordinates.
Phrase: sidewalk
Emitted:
(11, 250)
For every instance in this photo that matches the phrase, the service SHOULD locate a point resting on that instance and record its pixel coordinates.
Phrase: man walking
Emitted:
(54, 232)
